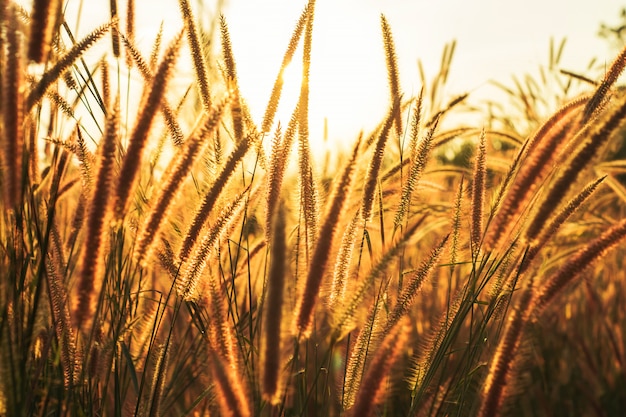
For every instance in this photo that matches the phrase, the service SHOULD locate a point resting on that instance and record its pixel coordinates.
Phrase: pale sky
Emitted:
(495, 39)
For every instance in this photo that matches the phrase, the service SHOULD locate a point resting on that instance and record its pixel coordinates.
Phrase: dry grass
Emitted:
(397, 283)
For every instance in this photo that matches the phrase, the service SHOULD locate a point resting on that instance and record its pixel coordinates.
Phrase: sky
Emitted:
(495, 40)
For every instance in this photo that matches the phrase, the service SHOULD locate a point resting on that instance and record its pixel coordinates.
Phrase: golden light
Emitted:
(348, 80)
(348, 84)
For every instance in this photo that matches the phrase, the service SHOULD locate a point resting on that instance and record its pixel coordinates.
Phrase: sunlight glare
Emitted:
(348, 82)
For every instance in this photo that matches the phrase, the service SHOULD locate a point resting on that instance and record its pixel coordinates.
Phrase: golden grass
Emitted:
(12, 113)
(323, 245)
(478, 193)
(98, 220)
(43, 22)
(272, 105)
(53, 73)
(135, 151)
(172, 183)
(197, 53)
(371, 180)
(202, 214)
(141, 278)
(372, 388)
(419, 153)
(307, 180)
(392, 71)
(130, 28)
(499, 370)
(271, 341)
(134, 56)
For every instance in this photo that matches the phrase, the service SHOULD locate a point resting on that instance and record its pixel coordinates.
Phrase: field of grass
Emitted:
(171, 256)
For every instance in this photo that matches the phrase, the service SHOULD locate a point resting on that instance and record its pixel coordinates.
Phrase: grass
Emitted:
(163, 257)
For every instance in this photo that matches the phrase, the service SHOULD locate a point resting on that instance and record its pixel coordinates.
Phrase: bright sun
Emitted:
(347, 80)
